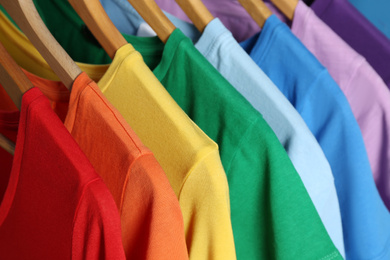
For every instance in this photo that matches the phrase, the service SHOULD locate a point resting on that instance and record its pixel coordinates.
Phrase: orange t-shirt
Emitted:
(151, 218)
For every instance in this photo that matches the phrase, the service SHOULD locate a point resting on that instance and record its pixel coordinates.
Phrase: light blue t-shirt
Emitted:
(325, 109)
(225, 54)
(377, 12)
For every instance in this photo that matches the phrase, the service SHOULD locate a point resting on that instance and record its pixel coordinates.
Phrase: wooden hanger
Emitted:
(152, 14)
(197, 12)
(286, 6)
(257, 9)
(27, 18)
(7, 144)
(12, 78)
(15, 83)
(101, 26)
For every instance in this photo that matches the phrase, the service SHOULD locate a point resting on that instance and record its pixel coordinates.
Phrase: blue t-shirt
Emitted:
(377, 12)
(325, 109)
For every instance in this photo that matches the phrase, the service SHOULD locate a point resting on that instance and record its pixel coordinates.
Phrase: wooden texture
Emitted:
(286, 6)
(257, 9)
(7, 144)
(26, 16)
(101, 26)
(197, 12)
(152, 14)
(15, 83)
(12, 78)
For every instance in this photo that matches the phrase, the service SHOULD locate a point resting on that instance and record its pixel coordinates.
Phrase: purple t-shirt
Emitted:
(358, 32)
(366, 92)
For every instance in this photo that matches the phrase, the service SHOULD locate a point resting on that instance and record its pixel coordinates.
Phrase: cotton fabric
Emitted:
(219, 47)
(340, 15)
(54, 205)
(358, 32)
(366, 92)
(376, 12)
(190, 159)
(104, 136)
(238, 128)
(323, 106)
(141, 190)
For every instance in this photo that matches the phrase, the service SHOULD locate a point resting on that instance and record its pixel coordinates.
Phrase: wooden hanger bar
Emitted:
(286, 6)
(152, 14)
(7, 144)
(27, 18)
(257, 9)
(15, 83)
(12, 78)
(101, 26)
(197, 12)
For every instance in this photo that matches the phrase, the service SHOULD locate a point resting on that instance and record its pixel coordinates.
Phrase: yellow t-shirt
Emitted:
(187, 155)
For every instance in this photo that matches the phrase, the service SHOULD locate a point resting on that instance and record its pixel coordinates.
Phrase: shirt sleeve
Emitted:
(204, 199)
(273, 216)
(96, 228)
(152, 222)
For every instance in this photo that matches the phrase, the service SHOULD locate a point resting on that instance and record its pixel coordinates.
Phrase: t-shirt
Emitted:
(323, 106)
(182, 149)
(376, 12)
(220, 48)
(140, 188)
(358, 32)
(189, 158)
(366, 92)
(54, 205)
(258, 169)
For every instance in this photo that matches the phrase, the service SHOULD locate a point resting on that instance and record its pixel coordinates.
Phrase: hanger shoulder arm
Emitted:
(6, 144)
(26, 16)
(257, 9)
(98, 22)
(152, 14)
(197, 12)
(287, 7)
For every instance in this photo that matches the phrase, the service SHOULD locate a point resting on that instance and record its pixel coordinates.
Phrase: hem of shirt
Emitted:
(193, 169)
(331, 256)
(83, 192)
(128, 173)
(385, 254)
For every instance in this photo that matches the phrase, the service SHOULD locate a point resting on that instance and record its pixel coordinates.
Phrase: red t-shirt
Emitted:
(54, 205)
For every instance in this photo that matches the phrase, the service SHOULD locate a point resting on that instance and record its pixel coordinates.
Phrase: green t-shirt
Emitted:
(272, 214)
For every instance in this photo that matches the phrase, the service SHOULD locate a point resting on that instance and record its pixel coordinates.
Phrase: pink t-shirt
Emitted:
(366, 92)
